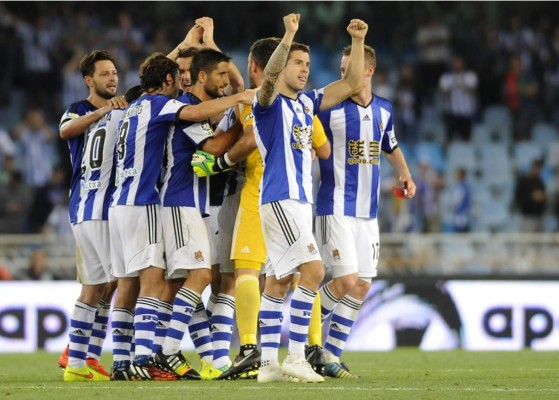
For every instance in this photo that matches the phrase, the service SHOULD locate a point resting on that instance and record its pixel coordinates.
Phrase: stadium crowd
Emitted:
(508, 58)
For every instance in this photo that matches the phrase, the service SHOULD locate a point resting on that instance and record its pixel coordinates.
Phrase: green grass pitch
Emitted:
(398, 374)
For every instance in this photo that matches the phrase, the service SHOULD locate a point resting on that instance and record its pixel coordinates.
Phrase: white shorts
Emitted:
(287, 228)
(136, 239)
(186, 241)
(213, 231)
(226, 221)
(349, 245)
(93, 252)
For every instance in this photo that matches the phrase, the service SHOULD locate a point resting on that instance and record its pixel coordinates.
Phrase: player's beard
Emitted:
(214, 92)
(104, 93)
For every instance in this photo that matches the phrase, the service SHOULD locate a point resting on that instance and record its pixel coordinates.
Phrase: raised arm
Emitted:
(236, 81)
(338, 91)
(268, 90)
(193, 38)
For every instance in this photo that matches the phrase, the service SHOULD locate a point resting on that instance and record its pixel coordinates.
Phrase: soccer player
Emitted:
(137, 231)
(84, 126)
(347, 203)
(283, 116)
(184, 198)
(248, 249)
(200, 36)
(128, 287)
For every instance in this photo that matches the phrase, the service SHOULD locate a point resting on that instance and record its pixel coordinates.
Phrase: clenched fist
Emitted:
(291, 22)
(357, 29)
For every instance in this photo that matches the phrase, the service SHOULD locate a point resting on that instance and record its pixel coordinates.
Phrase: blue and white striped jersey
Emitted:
(350, 179)
(181, 186)
(142, 134)
(76, 145)
(283, 135)
(97, 182)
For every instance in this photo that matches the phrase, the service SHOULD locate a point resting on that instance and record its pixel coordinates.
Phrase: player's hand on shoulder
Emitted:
(291, 22)
(118, 102)
(357, 28)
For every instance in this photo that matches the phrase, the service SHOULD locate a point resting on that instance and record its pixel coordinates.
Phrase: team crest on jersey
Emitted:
(307, 109)
(381, 126)
(302, 136)
(311, 248)
(199, 256)
(336, 254)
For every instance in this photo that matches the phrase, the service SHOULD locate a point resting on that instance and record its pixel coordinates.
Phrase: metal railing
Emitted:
(401, 255)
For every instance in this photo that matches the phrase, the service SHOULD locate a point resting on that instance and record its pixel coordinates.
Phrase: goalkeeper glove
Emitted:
(205, 164)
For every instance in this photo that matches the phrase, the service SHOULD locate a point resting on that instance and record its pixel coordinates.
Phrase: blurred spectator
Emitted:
(36, 147)
(38, 268)
(7, 145)
(40, 70)
(46, 198)
(5, 274)
(382, 85)
(461, 203)
(491, 67)
(8, 169)
(459, 89)
(73, 85)
(9, 49)
(128, 39)
(15, 199)
(425, 204)
(521, 96)
(58, 229)
(530, 198)
(406, 105)
(433, 40)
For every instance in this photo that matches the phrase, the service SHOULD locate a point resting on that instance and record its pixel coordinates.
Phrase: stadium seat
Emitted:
(524, 153)
(460, 155)
(544, 134)
(552, 159)
(498, 120)
(431, 153)
(492, 210)
(495, 163)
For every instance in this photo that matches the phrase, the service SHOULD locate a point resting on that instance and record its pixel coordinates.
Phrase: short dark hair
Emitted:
(295, 46)
(262, 50)
(87, 63)
(187, 52)
(154, 70)
(370, 55)
(206, 60)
